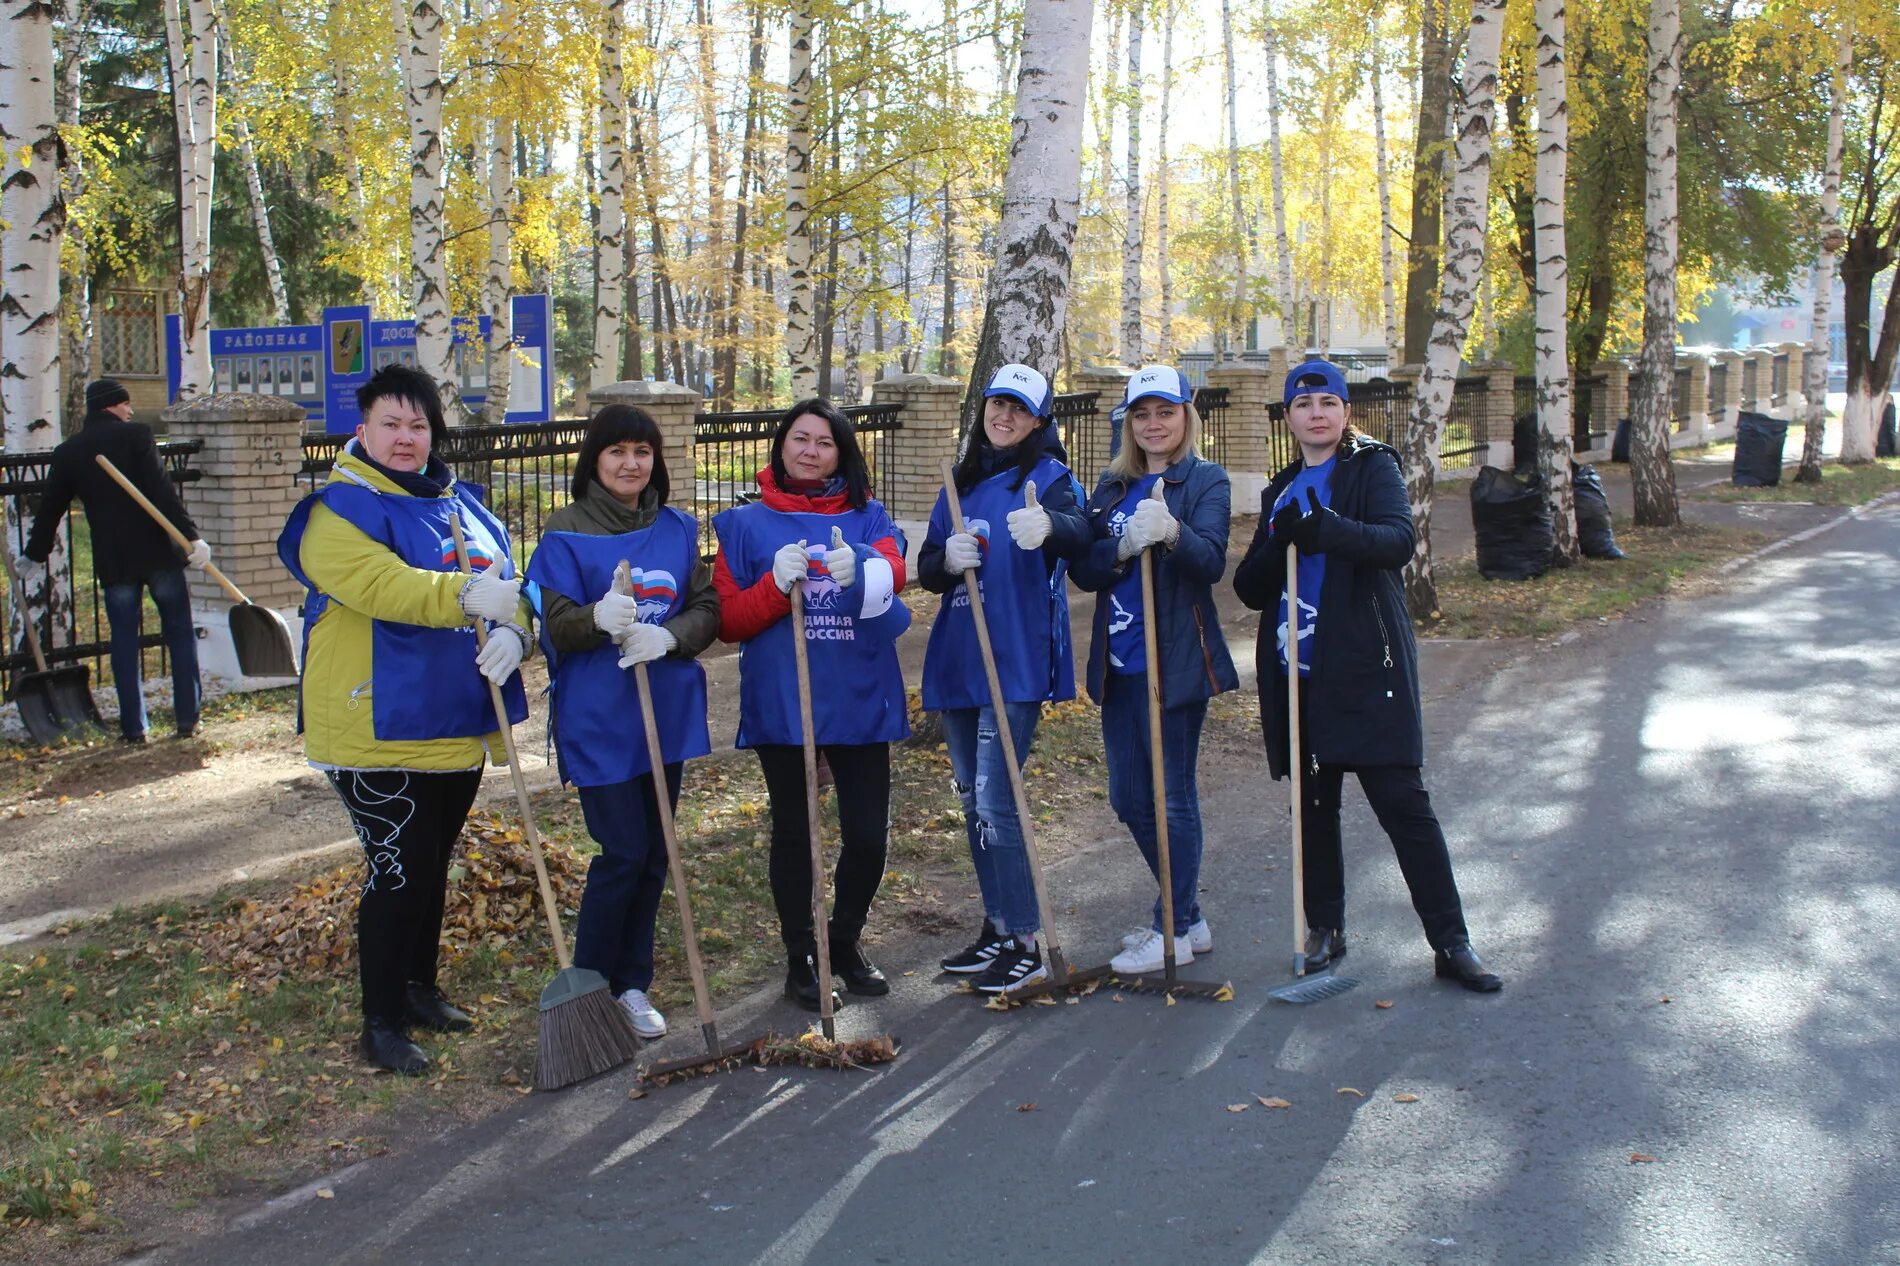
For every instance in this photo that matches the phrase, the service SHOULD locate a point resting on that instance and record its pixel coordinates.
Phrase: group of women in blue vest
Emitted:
(407, 765)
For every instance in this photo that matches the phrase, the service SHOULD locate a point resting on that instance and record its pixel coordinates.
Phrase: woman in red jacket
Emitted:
(816, 524)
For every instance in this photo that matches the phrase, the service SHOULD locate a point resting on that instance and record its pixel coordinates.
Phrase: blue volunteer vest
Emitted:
(426, 683)
(1127, 644)
(595, 718)
(850, 634)
(1026, 603)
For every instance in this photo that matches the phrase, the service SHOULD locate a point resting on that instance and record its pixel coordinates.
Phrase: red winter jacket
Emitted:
(746, 613)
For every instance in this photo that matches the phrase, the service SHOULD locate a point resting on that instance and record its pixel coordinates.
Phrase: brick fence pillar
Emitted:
(673, 408)
(1763, 358)
(1796, 395)
(1725, 407)
(1695, 407)
(1248, 457)
(1500, 412)
(1616, 394)
(910, 472)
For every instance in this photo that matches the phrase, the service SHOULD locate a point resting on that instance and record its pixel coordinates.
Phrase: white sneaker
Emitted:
(1145, 955)
(1200, 936)
(647, 1021)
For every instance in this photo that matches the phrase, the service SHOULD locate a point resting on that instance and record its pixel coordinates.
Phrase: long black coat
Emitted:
(1362, 693)
(126, 545)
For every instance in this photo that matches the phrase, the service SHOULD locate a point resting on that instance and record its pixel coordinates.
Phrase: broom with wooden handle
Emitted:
(584, 1032)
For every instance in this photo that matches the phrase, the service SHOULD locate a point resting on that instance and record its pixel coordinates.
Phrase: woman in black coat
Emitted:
(1344, 506)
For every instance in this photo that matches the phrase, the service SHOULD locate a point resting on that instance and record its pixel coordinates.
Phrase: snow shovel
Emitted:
(259, 634)
(1169, 983)
(716, 1055)
(1061, 975)
(53, 704)
(1304, 988)
(821, 939)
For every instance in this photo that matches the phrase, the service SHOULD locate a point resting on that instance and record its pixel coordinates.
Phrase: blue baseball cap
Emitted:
(1312, 378)
(1022, 383)
(1163, 381)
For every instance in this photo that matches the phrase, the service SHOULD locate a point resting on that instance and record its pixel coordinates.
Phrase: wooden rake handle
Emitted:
(1157, 765)
(821, 937)
(1293, 754)
(171, 529)
(514, 769)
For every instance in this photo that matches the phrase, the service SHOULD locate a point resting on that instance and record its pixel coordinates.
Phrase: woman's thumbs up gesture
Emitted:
(1029, 526)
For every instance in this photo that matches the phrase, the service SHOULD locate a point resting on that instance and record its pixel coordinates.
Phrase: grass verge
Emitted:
(1840, 485)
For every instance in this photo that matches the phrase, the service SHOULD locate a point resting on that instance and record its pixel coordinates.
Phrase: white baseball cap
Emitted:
(1157, 380)
(1024, 384)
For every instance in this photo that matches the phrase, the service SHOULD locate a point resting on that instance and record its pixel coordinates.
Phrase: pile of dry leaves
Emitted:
(310, 931)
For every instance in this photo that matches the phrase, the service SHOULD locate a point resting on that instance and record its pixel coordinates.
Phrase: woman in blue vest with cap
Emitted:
(1158, 494)
(1343, 505)
(1013, 475)
(395, 704)
(817, 525)
(595, 628)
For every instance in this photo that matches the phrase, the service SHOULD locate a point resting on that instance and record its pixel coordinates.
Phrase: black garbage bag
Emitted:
(1510, 515)
(1594, 534)
(1620, 446)
(1524, 443)
(1884, 441)
(1759, 440)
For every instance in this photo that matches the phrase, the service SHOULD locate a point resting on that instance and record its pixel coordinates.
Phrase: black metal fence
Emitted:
(1382, 410)
(1523, 397)
(729, 449)
(1211, 404)
(82, 632)
(1083, 426)
(1468, 425)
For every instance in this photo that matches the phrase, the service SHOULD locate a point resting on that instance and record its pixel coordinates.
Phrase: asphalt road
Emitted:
(1675, 838)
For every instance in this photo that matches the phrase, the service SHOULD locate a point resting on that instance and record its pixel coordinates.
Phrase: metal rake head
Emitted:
(1313, 989)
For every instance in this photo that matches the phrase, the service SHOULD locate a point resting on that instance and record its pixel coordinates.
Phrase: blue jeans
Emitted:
(989, 811)
(1131, 786)
(614, 935)
(173, 601)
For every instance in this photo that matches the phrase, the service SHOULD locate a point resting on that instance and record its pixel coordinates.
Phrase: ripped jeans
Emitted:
(989, 811)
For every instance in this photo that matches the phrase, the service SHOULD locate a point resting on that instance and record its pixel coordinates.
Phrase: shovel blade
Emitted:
(71, 689)
(262, 641)
(1313, 989)
(42, 719)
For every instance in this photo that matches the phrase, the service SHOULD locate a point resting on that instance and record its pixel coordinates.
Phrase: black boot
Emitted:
(1324, 946)
(801, 984)
(860, 975)
(427, 1007)
(1460, 963)
(385, 1045)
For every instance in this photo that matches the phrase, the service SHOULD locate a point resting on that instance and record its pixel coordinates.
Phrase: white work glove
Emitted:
(644, 643)
(490, 596)
(501, 655)
(840, 561)
(790, 565)
(962, 553)
(199, 555)
(1029, 526)
(615, 613)
(1151, 524)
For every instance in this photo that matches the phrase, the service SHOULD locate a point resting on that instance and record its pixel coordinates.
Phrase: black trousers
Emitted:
(407, 821)
(1404, 809)
(861, 774)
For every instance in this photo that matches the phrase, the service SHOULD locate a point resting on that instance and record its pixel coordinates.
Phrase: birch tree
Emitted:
(191, 42)
(1284, 285)
(420, 48)
(1653, 388)
(1164, 350)
(1814, 365)
(498, 281)
(1463, 263)
(1042, 192)
(801, 338)
(75, 282)
(1388, 299)
(610, 230)
(1432, 118)
(1131, 352)
(254, 183)
(1552, 293)
(1234, 334)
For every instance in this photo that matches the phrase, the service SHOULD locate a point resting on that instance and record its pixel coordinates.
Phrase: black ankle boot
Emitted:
(861, 976)
(428, 1008)
(1461, 963)
(801, 984)
(1324, 946)
(385, 1045)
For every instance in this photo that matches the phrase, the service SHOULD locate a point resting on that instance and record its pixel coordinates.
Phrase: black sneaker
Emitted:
(978, 955)
(1014, 966)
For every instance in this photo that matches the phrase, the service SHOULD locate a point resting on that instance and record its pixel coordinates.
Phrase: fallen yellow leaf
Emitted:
(1350, 1090)
(1275, 1102)
(1225, 993)
(1170, 999)
(636, 1093)
(1238, 1107)
(1404, 1098)
(1641, 1158)
(324, 1193)
(1026, 1107)
(1384, 1004)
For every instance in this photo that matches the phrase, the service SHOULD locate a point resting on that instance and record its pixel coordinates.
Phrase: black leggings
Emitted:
(407, 822)
(862, 774)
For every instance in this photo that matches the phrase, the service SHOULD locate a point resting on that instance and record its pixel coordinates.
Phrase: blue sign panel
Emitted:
(346, 365)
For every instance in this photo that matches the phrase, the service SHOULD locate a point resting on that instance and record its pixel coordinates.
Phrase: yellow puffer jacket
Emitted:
(365, 579)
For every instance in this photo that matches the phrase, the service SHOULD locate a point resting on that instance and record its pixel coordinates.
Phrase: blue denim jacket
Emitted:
(1195, 665)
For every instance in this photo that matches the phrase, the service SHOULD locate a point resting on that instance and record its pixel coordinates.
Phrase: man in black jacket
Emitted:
(130, 553)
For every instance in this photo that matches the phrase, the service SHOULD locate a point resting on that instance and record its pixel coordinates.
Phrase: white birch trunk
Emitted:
(857, 268)
(191, 41)
(1042, 190)
(610, 231)
(421, 48)
(498, 285)
(1328, 117)
(1653, 389)
(1285, 271)
(1243, 246)
(1164, 350)
(254, 185)
(1387, 291)
(1552, 289)
(75, 286)
(1464, 262)
(801, 335)
(1814, 365)
(1131, 351)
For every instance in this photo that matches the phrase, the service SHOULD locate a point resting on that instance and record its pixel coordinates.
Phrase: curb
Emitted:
(1807, 534)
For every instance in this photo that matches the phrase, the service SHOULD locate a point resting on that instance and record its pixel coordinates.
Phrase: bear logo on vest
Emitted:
(822, 595)
(653, 593)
